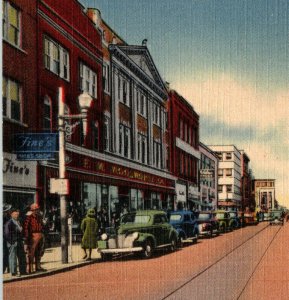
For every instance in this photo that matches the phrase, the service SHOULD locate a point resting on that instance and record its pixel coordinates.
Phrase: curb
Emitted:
(52, 271)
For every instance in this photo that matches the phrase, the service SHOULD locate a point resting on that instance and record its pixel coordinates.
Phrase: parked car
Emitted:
(207, 224)
(140, 232)
(223, 218)
(250, 218)
(277, 221)
(267, 216)
(235, 221)
(241, 218)
(185, 223)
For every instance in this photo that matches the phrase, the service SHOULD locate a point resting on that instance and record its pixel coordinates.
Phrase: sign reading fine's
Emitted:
(35, 146)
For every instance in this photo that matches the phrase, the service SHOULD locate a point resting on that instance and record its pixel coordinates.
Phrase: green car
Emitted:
(140, 232)
(225, 221)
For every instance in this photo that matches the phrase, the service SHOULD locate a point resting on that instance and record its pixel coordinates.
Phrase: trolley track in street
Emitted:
(222, 258)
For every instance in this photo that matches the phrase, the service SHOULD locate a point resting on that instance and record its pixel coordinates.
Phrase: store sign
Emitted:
(59, 186)
(193, 192)
(181, 191)
(36, 146)
(207, 174)
(17, 173)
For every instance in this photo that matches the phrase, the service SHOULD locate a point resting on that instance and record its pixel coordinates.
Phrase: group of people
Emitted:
(23, 243)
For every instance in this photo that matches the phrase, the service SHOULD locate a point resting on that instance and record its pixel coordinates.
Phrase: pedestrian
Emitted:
(13, 233)
(89, 228)
(34, 238)
(6, 217)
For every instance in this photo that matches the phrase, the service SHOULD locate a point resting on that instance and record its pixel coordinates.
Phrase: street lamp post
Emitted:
(65, 129)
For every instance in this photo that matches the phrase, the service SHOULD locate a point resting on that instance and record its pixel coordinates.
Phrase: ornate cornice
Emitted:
(158, 87)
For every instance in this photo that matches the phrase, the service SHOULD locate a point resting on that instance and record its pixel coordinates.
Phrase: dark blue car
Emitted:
(185, 222)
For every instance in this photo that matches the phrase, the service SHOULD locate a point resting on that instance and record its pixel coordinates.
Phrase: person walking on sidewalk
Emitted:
(89, 228)
(34, 238)
(6, 217)
(13, 233)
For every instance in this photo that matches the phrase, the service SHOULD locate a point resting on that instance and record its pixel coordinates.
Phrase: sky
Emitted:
(230, 60)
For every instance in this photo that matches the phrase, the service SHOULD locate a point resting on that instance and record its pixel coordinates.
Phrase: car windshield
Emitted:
(204, 216)
(135, 219)
(233, 215)
(175, 217)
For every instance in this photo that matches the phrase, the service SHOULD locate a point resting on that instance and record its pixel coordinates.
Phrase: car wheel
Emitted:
(106, 256)
(196, 236)
(223, 229)
(173, 245)
(148, 249)
(181, 242)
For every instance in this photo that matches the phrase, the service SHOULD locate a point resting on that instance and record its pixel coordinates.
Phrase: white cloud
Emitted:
(224, 100)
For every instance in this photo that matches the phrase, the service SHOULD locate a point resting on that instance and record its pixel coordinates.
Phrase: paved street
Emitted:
(218, 268)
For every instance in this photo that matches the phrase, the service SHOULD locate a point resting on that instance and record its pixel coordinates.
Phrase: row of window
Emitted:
(226, 156)
(225, 172)
(187, 132)
(225, 188)
(188, 165)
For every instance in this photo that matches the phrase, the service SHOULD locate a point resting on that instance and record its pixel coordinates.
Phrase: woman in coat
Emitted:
(89, 229)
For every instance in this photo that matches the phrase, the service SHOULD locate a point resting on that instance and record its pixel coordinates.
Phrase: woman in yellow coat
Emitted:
(89, 229)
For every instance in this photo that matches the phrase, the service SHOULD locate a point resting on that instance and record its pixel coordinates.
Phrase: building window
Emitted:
(185, 131)
(219, 155)
(105, 73)
(229, 188)
(190, 135)
(181, 128)
(88, 80)
(56, 58)
(95, 127)
(141, 104)
(124, 141)
(106, 130)
(142, 148)
(156, 114)
(228, 156)
(47, 124)
(157, 154)
(220, 172)
(220, 188)
(11, 24)
(11, 99)
(228, 172)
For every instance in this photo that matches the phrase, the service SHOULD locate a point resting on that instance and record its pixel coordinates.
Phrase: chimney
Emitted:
(94, 15)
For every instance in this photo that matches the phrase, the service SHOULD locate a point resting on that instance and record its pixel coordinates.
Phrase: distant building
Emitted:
(248, 200)
(264, 192)
(229, 176)
(208, 178)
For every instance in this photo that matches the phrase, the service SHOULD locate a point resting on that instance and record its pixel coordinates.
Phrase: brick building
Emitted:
(19, 91)
(183, 150)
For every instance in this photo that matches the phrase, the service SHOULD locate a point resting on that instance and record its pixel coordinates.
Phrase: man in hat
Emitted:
(14, 240)
(34, 238)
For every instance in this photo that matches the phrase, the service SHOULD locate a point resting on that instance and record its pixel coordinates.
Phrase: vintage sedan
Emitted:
(223, 218)
(250, 218)
(185, 223)
(207, 224)
(235, 221)
(140, 232)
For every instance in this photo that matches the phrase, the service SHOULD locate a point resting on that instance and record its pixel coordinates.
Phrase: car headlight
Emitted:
(135, 235)
(104, 236)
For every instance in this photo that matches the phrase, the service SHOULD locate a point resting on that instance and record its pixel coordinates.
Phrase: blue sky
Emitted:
(230, 59)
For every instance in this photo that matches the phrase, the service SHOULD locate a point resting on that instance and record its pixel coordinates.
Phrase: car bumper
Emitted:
(121, 250)
(206, 233)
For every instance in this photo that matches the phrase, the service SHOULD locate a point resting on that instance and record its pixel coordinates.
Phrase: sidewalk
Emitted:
(51, 261)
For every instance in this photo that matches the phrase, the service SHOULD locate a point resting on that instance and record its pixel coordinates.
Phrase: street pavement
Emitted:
(51, 261)
(217, 268)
